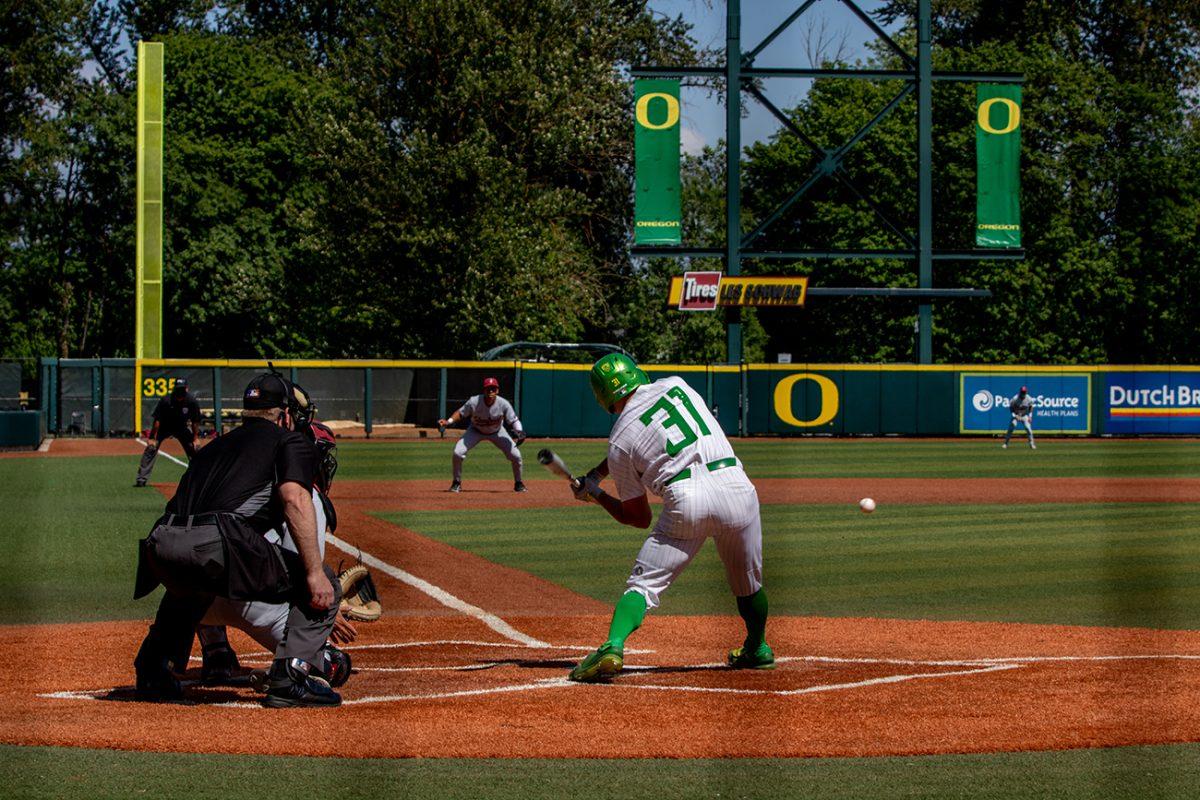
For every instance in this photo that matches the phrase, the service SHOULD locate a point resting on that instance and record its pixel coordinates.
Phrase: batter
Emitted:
(665, 441)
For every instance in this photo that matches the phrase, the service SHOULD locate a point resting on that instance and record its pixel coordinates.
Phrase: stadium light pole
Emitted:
(918, 74)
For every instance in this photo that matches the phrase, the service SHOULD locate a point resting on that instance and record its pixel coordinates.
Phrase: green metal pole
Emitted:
(733, 155)
(924, 181)
(367, 388)
(442, 394)
(97, 422)
(218, 411)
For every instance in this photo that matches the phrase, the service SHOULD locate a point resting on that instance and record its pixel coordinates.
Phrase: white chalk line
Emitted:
(436, 592)
(162, 453)
(978, 666)
(44, 447)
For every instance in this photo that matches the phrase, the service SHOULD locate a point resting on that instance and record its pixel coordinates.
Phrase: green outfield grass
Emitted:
(73, 526)
(811, 458)
(1146, 773)
(1128, 564)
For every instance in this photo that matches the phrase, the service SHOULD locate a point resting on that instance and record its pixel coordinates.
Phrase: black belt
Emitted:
(190, 520)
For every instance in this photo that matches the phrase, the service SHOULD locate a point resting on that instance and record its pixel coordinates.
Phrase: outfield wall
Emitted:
(117, 396)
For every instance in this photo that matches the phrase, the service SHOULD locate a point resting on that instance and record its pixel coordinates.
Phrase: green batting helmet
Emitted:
(613, 377)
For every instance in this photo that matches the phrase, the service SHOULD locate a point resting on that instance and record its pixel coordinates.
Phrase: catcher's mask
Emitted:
(301, 407)
(326, 446)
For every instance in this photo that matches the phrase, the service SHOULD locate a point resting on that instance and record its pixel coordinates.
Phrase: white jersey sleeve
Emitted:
(665, 428)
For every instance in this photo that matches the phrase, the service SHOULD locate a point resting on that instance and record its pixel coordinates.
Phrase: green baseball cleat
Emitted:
(601, 665)
(762, 658)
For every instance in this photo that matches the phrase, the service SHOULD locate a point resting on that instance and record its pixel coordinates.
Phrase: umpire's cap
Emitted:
(266, 391)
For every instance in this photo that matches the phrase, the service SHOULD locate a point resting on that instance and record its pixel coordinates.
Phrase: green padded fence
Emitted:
(117, 396)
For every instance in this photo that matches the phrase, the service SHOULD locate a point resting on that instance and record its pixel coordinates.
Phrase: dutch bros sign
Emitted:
(1060, 401)
(1152, 402)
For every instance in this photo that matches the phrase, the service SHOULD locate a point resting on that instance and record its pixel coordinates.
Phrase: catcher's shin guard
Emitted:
(337, 665)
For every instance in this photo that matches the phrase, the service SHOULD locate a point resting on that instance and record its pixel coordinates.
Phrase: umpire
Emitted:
(178, 415)
(210, 543)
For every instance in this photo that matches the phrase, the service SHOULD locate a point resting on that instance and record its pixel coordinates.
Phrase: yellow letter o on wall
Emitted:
(783, 400)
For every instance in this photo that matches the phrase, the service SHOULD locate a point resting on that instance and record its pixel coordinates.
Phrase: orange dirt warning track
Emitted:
(470, 660)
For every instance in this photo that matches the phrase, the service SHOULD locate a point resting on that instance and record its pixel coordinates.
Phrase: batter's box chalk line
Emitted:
(632, 674)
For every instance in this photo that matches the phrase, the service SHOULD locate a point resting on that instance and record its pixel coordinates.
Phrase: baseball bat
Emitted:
(551, 461)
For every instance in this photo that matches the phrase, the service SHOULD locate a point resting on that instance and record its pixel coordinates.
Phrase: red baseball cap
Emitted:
(487, 382)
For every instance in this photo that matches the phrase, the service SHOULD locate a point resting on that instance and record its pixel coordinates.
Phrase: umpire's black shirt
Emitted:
(240, 471)
(174, 412)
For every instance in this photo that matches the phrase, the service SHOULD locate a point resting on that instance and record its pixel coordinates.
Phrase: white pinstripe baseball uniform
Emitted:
(666, 442)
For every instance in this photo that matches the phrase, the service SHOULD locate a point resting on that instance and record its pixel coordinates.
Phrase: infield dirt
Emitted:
(433, 681)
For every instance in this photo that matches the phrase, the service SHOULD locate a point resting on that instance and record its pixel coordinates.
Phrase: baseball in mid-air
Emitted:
(867, 505)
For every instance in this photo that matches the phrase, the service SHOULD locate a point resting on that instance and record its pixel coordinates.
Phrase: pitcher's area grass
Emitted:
(1146, 773)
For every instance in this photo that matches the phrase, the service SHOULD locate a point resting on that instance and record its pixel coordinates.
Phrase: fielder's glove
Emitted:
(360, 600)
(520, 440)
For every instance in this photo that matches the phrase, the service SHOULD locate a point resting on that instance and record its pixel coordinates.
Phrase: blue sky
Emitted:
(829, 27)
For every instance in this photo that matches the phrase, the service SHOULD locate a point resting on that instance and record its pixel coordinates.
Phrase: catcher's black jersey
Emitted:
(240, 471)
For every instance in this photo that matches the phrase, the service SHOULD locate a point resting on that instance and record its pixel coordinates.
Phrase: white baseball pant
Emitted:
(721, 504)
(500, 438)
(264, 622)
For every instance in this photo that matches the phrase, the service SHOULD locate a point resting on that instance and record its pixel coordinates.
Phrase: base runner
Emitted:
(666, 442)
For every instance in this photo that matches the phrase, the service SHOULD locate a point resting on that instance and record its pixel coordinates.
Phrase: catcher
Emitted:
(1021, 407)
(265, 622)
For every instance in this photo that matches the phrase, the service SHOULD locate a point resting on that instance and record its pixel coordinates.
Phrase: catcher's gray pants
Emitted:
(151, 452)
(265, 622)
(500, 438)
(1012, 424)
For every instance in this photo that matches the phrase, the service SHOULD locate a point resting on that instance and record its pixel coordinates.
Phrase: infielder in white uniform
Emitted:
(666, 442)
(488, 414)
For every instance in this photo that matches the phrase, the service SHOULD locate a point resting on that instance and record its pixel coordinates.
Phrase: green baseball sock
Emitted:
(753, 609)
(627, 618)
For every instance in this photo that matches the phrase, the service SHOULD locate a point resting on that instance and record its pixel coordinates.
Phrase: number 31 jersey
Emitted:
(665, 428)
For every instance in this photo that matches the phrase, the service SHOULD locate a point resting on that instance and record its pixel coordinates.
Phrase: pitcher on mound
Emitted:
(666, 442)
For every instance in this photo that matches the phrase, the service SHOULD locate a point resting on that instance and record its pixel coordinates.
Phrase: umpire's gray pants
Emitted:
(500, 438)
(151, 453)
(191, 565)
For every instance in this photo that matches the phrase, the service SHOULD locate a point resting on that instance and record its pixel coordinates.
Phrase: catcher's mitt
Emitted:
(360, 600)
